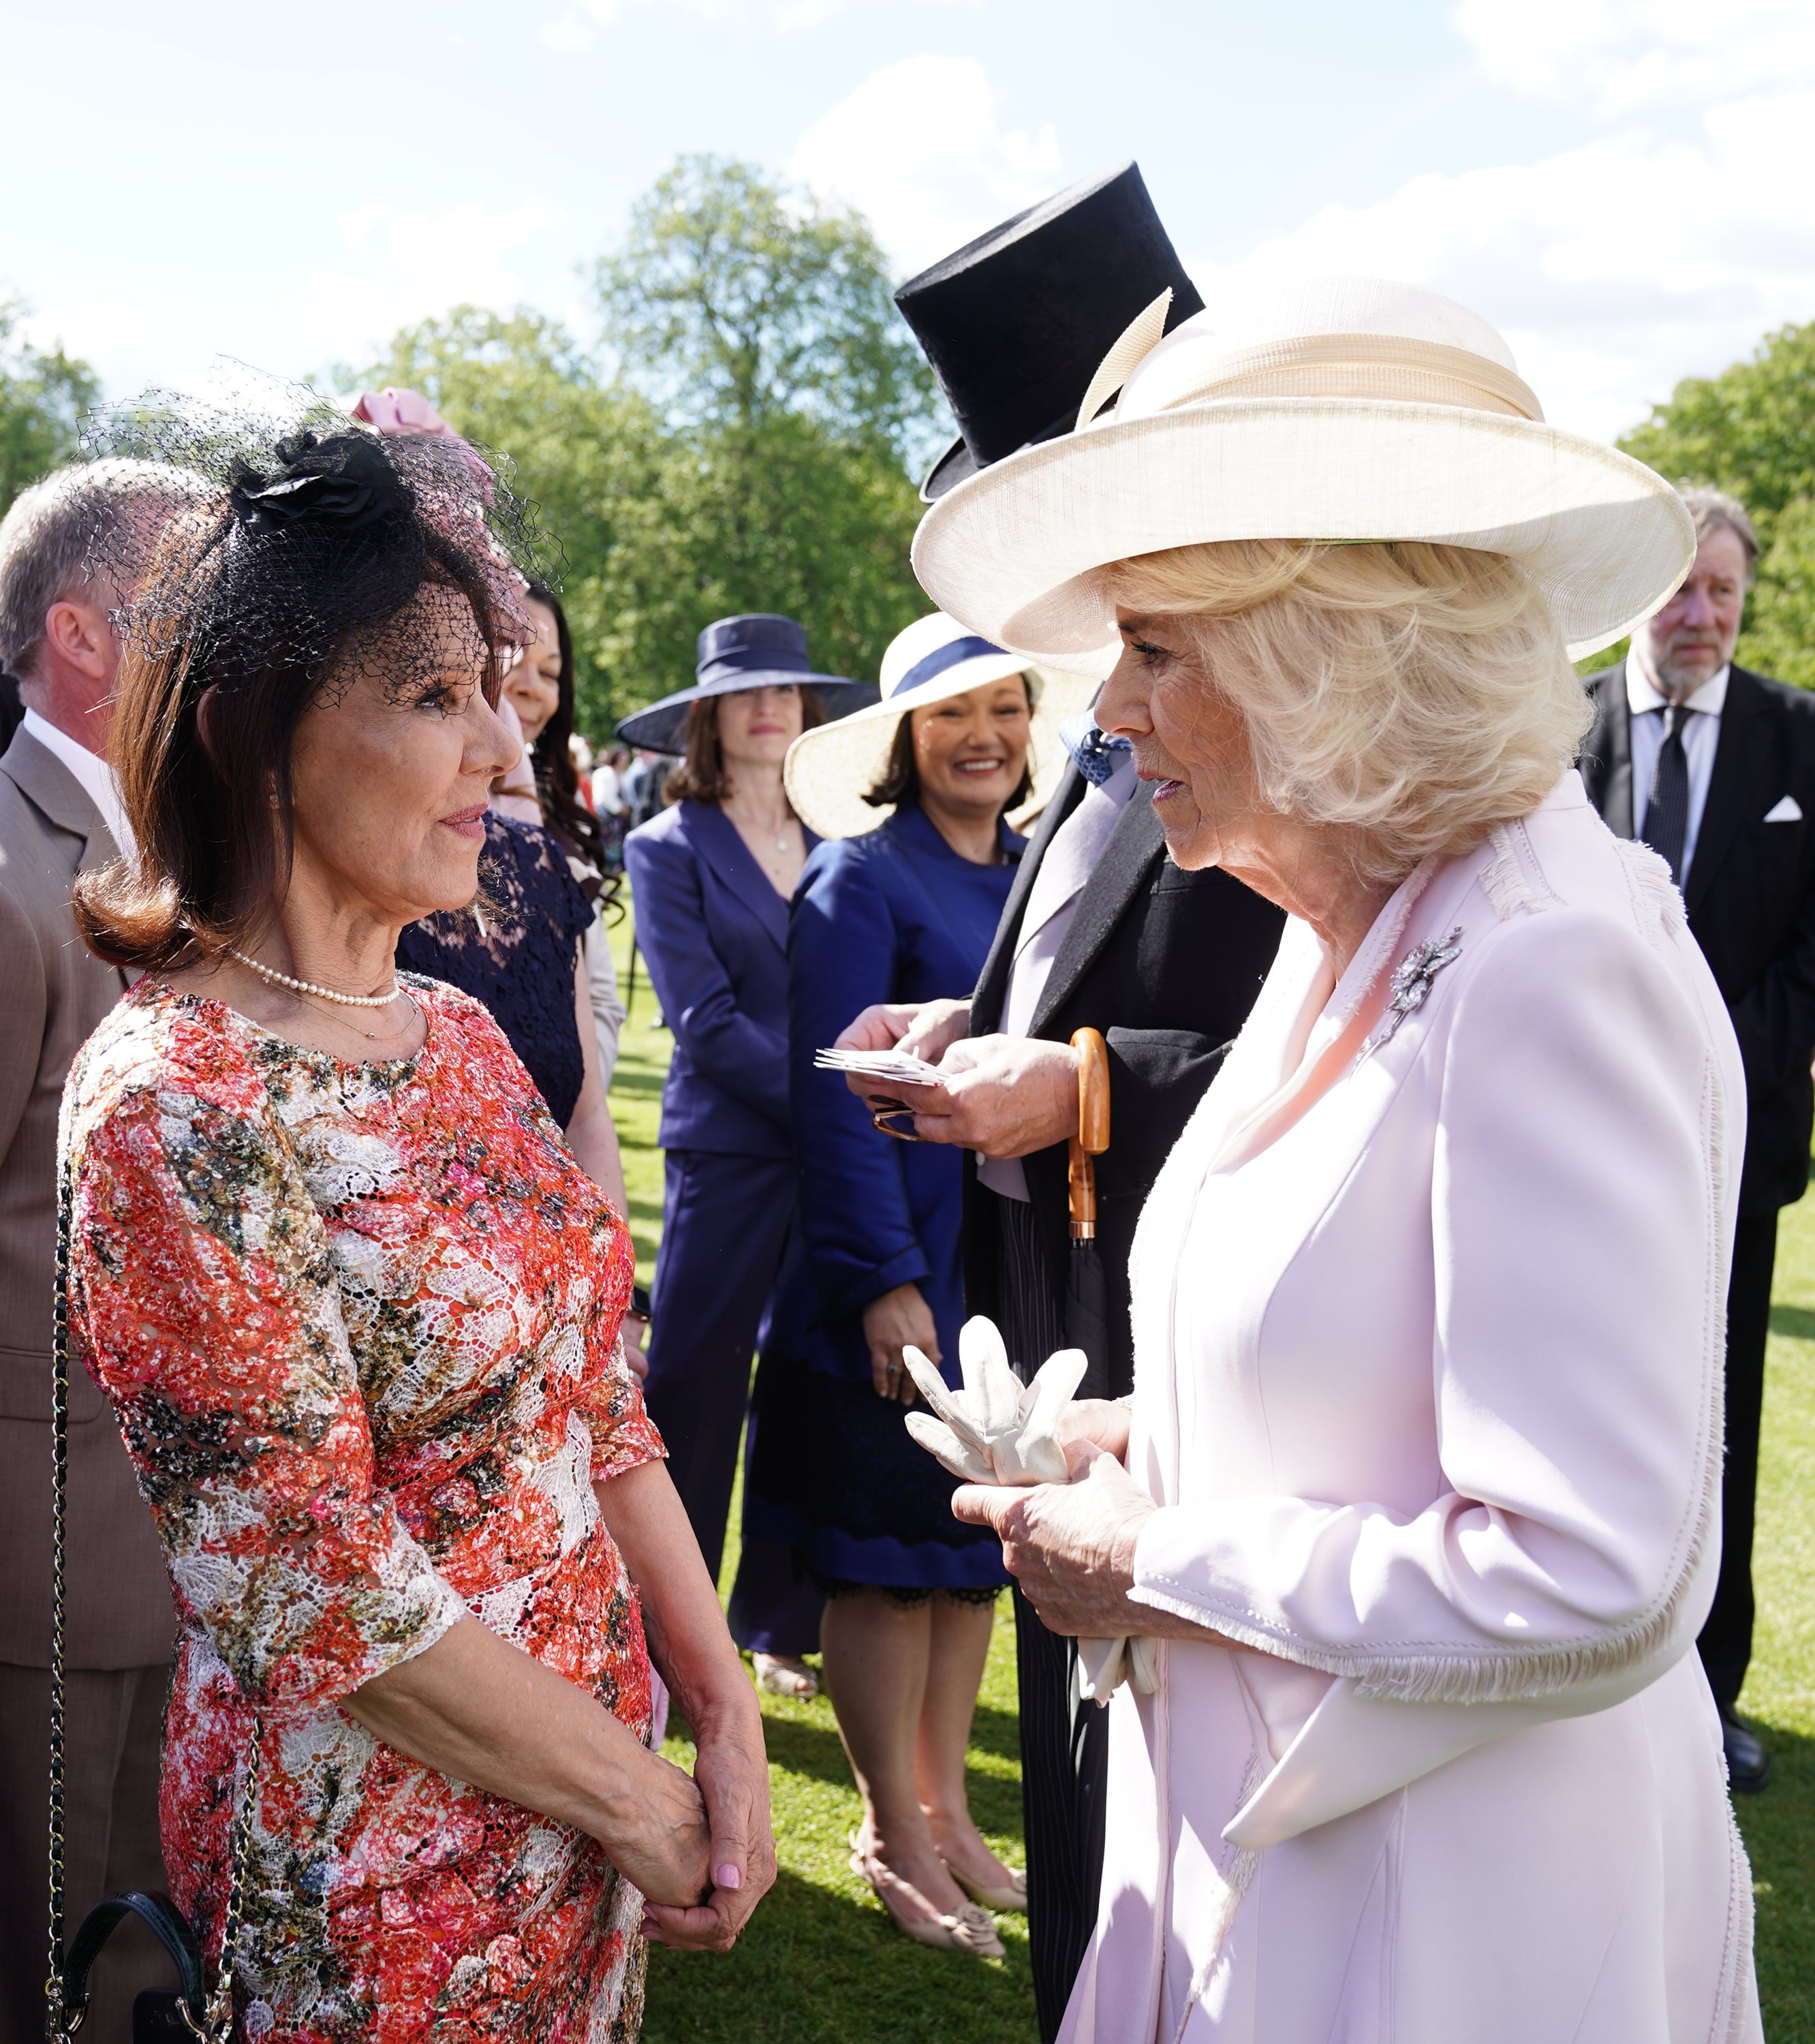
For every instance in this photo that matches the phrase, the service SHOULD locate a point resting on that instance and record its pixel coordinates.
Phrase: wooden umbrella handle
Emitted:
(1092, 1136)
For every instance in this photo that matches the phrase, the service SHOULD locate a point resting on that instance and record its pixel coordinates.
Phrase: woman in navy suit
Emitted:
(710, 879)
(904, 912)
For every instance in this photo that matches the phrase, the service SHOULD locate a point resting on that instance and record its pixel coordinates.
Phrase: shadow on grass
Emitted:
(631, 1074)
(1797, 1321)
(814, 1749)
(1779, 1832)
(816, 1967)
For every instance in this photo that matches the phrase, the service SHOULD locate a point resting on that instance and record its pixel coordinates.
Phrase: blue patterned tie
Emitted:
(1098, 755)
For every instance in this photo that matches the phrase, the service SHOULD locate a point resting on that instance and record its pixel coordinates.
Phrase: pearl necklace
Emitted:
(308, 985)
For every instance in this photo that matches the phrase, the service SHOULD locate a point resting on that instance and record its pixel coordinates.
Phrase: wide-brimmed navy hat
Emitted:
(757, 651)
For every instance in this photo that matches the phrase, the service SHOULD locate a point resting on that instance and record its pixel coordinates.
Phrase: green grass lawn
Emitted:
(821, 1965)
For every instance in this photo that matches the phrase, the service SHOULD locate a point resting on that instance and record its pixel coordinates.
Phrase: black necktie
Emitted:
(1666, 811)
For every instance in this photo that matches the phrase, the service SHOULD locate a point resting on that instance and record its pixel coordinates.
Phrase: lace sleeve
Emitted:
(203, 1300)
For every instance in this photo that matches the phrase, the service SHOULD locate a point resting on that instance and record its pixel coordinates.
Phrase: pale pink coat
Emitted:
(1428, 1336)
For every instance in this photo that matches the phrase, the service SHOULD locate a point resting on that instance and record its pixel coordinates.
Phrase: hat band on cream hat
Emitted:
(1342, 410)
(830, 770)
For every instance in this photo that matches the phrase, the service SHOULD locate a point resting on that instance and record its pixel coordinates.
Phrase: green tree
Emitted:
(42, 396)
(733, 302)
(763, 327)
(1750, 431)
(745, 451)
(590, 455)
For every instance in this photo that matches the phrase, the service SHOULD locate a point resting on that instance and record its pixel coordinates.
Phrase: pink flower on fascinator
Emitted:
(398, 412)
(393, 411)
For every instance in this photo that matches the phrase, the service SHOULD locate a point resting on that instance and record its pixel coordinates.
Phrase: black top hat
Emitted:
(1016, 322)
(755, 650)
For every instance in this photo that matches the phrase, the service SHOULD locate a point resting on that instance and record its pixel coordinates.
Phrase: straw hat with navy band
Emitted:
(828, 768)
(755, 650)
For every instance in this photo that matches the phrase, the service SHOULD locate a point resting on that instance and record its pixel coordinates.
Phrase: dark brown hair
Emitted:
(899, 781)
(702, 776)
(557, 782)
(204, 743)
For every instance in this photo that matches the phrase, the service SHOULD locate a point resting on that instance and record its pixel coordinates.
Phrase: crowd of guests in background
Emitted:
(325, 1292)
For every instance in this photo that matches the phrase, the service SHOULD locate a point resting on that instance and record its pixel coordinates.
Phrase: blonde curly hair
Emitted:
(1418, 694)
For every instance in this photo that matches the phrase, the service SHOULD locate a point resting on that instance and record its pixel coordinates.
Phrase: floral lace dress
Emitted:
(360, 1325)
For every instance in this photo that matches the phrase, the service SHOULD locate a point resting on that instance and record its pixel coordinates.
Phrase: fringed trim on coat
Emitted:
(1733, 2010)
(1235, 1885)
(1515, 886)
(1657, 907)
(1492, 1675)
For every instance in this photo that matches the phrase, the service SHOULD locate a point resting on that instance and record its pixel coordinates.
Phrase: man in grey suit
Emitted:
(60, 815)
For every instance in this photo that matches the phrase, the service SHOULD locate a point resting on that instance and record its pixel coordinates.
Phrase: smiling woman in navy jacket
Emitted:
(902, 907)
(710, 879)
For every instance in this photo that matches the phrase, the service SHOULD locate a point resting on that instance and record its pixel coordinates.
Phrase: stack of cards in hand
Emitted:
(886, 1067)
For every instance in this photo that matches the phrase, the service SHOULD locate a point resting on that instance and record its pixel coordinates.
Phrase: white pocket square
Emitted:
(1788, 811)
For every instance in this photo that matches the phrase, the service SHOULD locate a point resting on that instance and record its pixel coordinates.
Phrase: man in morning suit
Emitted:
(1101, 930)
(60, 815)
(1714, 767)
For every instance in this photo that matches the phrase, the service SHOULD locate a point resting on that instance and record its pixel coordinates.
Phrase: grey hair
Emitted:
(1714, 511)
(48, 538)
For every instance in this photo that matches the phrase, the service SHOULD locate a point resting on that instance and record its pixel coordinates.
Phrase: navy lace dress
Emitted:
(518, 951)
(833, 1473)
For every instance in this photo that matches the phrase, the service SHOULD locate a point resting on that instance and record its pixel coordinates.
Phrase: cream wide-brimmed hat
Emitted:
(1341, 408)
(829, 767)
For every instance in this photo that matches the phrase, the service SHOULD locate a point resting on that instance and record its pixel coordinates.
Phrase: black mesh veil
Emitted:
(312, 541)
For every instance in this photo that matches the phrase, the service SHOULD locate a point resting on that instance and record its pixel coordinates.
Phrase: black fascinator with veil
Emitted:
(311, 540)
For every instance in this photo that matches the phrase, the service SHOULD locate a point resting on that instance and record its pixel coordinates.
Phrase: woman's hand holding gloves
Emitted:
(996, 1430)
(1044, 1475)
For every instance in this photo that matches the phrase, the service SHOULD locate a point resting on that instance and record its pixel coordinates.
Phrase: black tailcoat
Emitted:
(1750, 898)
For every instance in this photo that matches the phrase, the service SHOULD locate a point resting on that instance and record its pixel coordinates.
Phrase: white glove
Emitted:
(998, 1431)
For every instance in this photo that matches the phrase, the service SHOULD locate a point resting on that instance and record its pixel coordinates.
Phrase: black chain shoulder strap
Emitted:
(66, 1984)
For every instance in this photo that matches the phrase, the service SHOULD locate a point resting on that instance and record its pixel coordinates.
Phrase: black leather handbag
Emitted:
(188, 2012)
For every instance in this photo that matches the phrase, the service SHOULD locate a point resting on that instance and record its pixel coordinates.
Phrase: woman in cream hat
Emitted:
(1415, 1512)
(843, 778)
(901, 905)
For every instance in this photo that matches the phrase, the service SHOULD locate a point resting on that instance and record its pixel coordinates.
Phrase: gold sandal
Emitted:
(968, 1929)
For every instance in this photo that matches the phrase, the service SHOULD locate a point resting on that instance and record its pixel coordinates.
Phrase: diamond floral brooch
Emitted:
(1411, 982)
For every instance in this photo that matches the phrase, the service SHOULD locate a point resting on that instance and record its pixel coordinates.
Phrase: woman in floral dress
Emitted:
(357, 1309)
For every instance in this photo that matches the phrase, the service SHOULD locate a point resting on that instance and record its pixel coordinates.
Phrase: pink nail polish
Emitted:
(727, 1877)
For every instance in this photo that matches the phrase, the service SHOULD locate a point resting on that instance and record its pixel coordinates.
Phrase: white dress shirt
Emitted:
(93, 773)
(1701, 736)
(1052, 901)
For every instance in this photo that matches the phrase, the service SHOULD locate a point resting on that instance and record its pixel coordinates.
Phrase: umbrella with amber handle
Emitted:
(1087, 1290)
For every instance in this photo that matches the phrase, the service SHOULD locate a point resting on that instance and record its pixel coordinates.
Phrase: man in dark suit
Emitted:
(1714, 767)
(1101, 930)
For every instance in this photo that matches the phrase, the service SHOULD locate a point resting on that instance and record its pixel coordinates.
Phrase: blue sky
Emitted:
(1626, 187)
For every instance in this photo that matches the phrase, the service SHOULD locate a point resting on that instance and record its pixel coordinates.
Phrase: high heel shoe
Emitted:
(783, 1677)
(1013, 1897)
(966, 1929)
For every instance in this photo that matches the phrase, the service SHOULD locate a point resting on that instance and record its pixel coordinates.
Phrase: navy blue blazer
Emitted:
(894, 915)
(715, 934)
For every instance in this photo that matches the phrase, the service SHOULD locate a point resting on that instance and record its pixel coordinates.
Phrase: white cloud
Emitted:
(408, 266)
(918, 147)
(1663, 248)
(1617, 56)
(573, 31)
